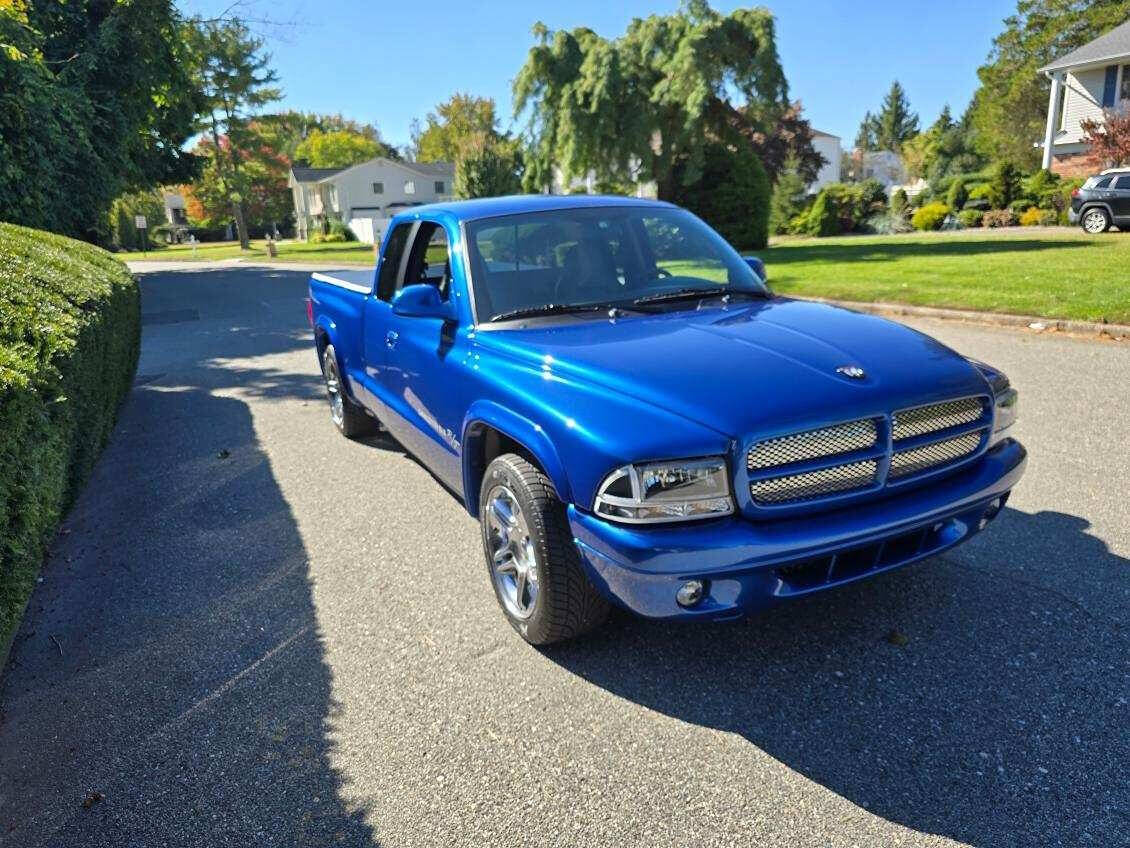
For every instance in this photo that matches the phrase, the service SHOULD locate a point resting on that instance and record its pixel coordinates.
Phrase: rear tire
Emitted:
(348, 417)
(533, 564)
(1095, 220)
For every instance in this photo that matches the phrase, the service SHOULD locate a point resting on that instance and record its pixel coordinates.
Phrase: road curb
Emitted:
(995, 319)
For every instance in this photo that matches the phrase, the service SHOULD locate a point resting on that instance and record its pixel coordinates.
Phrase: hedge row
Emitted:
(70, 329)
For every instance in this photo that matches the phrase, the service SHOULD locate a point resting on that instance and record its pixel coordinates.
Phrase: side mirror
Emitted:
(758, 267)
(422, 300)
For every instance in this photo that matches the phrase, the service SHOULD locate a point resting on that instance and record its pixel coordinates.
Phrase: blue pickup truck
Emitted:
(635, 418)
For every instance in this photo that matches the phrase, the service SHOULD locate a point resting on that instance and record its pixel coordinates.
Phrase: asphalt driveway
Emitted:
(252, 631)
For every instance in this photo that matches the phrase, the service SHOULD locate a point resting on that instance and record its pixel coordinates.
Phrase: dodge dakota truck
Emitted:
(636, 419)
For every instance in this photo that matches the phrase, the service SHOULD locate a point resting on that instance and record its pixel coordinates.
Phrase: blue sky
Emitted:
(387, 63)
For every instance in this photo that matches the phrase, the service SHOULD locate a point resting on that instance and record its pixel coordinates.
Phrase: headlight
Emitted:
(680, 490)
(1006, 411)
(1004, 400)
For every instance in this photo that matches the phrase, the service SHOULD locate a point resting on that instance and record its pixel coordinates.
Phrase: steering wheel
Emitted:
(662, 272)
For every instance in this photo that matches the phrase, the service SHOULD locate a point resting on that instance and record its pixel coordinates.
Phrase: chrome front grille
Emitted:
(827, 441)
(904, 463)
(918, 420)
(826, 481)
(867, 453)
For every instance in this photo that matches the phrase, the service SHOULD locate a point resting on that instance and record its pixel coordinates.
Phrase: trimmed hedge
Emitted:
(70, 331)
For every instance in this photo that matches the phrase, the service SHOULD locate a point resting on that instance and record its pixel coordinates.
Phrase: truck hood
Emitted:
(764, 367)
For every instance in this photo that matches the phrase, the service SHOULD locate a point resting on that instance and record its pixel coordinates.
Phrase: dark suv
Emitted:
(1102, 201)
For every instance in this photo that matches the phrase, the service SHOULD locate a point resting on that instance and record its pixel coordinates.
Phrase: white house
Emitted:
(366, 195)
(1085, 83)
(828, 146)
(886, 166)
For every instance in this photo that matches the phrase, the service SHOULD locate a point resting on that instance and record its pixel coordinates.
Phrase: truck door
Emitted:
(420, 379)
(377, 316)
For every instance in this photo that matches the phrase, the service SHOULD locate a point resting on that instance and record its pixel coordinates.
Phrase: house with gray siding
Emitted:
(1086, 83)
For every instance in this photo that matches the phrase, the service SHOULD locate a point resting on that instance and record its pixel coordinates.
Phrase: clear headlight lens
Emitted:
(1006, 404)
(1004, 401)
(679, 490)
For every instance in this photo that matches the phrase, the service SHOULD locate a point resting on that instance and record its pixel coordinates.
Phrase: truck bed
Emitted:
(356, 279)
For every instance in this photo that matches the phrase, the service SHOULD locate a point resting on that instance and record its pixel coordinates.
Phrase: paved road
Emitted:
(254, 632)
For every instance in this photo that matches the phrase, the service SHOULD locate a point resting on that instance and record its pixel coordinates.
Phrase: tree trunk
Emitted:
(240, 226)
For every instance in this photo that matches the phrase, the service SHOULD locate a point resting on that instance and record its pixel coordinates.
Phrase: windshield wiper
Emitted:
(685, 294)
(551, 309)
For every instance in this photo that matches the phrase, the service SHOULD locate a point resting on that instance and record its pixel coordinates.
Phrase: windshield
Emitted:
(606, 256)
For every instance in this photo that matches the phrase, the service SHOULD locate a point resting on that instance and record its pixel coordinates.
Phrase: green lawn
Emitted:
(1053, 272)
(289, 251)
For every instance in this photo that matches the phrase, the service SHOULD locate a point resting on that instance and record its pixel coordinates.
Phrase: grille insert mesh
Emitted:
(908, 462)
(936, 416)
(813, 444)
(811, 484)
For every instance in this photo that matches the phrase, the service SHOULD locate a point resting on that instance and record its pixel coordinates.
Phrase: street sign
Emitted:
(139, 222)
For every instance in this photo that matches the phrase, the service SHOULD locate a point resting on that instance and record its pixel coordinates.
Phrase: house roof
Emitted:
(821, 134)
(425, 169)
(312, 175)
(1110, 46)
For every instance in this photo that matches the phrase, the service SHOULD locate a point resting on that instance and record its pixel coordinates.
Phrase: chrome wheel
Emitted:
(1095, 221)
(333, 390)
(512, 560)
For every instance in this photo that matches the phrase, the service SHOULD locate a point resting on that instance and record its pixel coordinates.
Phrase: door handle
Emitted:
(391, 338)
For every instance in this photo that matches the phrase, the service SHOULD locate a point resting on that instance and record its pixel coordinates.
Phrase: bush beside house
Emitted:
(69, 340)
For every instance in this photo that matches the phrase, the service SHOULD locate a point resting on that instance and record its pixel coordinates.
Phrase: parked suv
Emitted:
(1102, 201)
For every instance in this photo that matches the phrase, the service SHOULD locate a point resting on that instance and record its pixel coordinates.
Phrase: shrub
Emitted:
(999, 218)
(823, 218)
(69, 338)
(1021, 205)
(930, 216)
(1004, 187)
(340, 232)
(845, 207)
(979, 192)
(888, 223)
(899, 202)
(970, 217)
(731, 194)
(957, 195)
(1036, 217)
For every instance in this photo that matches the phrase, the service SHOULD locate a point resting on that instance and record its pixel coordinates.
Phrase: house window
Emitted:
(378, 188)
(409, 187)
(439, 187)
(333, 196)
(1124, 94)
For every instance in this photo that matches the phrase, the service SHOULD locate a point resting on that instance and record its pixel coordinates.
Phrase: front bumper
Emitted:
(747, 565)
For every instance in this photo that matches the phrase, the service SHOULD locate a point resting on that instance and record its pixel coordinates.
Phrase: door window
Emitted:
(1122, 183)
(391, 260)
(430, 262)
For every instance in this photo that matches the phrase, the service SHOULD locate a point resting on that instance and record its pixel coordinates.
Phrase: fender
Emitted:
(526, 433)
(1101, 204)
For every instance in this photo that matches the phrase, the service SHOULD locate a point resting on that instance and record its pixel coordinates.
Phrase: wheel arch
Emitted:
(490, 430)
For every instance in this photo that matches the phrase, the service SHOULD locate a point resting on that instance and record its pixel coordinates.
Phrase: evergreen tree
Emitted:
(788, 197)
(895, 123)
(865, 139)
(234, 76)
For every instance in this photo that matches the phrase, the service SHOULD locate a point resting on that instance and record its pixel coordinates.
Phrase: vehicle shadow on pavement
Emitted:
(979, 696)
(169, 685)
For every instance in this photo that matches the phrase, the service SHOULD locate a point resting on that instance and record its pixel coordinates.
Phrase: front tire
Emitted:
(1095, 220)
(347, 416)
(533, 564)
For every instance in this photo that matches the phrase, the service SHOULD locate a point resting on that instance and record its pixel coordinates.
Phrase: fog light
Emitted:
(690, 593)
(991, 512)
